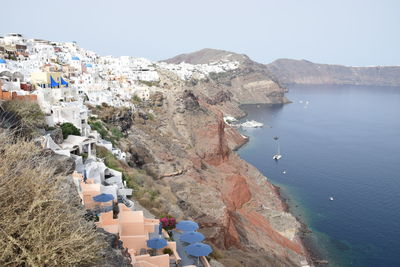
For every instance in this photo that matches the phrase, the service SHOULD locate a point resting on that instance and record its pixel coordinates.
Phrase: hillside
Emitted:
(163, 132)
(186, 148)
(249, 83)
(207, 56)
(290, 71)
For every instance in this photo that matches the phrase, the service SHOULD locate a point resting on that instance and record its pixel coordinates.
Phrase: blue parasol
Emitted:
(53, 83)
(198, 250)
(156, 243)
(63, 82)
(192, 237)
(187, 226)
(103, 198)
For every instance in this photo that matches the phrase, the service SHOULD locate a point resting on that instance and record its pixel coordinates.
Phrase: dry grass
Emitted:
(25, 116)
(39, 226)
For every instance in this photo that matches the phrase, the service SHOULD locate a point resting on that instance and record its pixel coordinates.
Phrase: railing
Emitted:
(143, 264)
(204, 261)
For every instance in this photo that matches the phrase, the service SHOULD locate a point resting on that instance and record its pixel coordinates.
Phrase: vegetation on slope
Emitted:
(69, 129)
(42, 222)
(23, 116)
(113, 134)
(144, 189)
(39, 226)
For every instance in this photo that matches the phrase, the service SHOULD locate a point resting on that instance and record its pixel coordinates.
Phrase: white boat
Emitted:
(278, 155)
(252, 124)
(229, 119)
(331, 198)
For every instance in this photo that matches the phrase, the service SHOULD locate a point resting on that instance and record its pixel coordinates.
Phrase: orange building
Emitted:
(4, 95)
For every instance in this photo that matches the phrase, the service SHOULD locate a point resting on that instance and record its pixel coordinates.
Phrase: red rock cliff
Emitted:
(188, 149)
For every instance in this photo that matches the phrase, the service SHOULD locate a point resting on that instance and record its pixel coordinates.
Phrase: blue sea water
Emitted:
(344, 143)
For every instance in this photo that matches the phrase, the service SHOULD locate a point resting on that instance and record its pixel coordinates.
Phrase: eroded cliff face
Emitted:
(187, 148)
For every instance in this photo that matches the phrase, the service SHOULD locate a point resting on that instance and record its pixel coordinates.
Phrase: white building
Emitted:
(3, 65)
(14, 39)
(72, 112)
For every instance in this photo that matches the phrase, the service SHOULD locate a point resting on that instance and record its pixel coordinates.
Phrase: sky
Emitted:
(348, 32)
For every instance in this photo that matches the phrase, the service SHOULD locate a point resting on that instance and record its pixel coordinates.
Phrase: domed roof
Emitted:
(89, 65)
(75, 58)
(2, 61)
(18, 75)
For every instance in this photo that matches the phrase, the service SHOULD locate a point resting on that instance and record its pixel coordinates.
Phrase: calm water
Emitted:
(346, 144)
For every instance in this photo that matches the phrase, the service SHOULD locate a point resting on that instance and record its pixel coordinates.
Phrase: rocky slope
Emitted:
(180, 138)
(289, 71)
(248, 84)
(207, 56)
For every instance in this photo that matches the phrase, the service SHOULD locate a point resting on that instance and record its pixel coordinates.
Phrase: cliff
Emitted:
(187, 148)
(207, 56)
(250, 83)
(289, 71)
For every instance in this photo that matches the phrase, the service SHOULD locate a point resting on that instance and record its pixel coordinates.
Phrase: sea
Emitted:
(340, 142)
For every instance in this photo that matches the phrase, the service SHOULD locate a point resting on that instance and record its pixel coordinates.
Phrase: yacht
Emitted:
(252, 124)
(278, 155)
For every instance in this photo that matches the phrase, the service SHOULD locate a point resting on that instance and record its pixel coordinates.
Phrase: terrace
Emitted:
(134, 230)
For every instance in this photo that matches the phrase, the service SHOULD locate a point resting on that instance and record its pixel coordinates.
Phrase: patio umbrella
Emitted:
(187, 226)
(156, 243)
(198, 249)
(103, 198)
(192, 237)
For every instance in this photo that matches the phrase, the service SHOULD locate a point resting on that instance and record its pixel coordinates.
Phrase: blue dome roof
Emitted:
(75, 58)
(2, 61)
(89, 65)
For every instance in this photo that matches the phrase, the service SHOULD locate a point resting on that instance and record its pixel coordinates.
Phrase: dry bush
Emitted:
(25, 116)
(39, 225)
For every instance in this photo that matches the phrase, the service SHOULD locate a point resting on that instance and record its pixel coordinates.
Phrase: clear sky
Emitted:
(349, 32)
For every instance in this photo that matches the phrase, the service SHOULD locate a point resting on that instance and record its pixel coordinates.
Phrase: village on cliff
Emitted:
(65, 79)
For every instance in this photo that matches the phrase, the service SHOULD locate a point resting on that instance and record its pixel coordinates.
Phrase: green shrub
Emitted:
(112, 135)
(84, 156)
(136, 98)
(98, 126)
(109, 159)
(116, 133)
(150, 116)
(69, 129)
